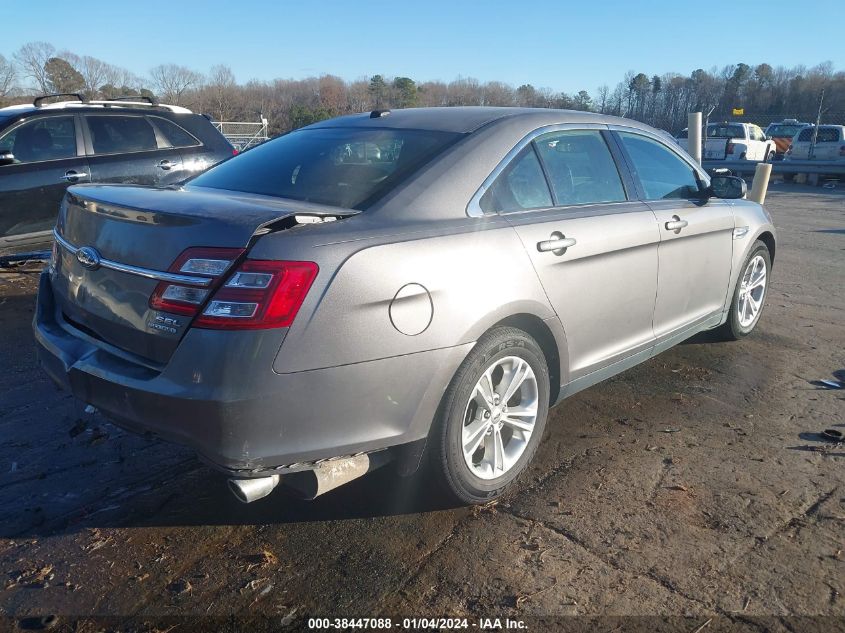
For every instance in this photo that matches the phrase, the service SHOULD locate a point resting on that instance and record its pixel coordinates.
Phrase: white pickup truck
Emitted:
(738, 141)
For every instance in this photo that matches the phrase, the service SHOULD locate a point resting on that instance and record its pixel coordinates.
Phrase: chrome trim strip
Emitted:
(137, 270)
(474, 206)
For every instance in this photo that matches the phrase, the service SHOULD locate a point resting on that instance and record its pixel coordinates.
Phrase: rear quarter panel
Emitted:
(464, 278)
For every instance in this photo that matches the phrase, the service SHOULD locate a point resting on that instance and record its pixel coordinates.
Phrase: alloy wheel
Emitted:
(500, 417)
(752, 290)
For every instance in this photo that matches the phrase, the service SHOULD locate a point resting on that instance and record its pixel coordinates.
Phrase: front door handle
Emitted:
(166, 165)
(557, 244)
(73, 176)
(676, 224)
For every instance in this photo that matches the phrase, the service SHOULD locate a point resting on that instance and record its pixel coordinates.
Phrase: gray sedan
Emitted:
(415, 287)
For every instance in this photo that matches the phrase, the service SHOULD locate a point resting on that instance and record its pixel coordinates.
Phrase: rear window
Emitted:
(342, 167)
(725, 131)
(826, 135)
(784, 131)
(174, 134)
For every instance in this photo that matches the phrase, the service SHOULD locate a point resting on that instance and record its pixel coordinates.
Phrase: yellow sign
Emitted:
(739, 111)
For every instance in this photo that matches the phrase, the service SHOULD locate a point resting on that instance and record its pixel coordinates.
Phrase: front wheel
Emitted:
(749, 294)
(492, 416)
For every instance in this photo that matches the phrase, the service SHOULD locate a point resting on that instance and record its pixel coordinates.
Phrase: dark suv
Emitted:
(45, 147)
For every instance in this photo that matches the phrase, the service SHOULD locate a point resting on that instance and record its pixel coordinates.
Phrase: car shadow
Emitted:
(201, 497)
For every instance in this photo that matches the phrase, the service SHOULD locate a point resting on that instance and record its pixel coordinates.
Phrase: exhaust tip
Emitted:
(249, 490)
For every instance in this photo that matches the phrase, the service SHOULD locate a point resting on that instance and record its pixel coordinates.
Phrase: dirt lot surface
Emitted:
(696, 485)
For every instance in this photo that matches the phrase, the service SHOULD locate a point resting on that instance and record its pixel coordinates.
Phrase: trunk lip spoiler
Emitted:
(137, 270)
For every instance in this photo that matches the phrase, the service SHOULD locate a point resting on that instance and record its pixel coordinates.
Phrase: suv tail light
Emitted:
(259, 294)
(184, 298)
(730, 148)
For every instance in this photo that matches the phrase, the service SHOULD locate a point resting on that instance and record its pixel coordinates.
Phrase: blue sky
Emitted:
(561, 45)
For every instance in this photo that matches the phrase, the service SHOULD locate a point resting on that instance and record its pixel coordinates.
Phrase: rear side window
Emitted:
(49, 138)
(826, 135)
(522, 185)
(580, 167)
(174, 134)
(783, 131)
(343, 167)
(662, 173)
(121, 134)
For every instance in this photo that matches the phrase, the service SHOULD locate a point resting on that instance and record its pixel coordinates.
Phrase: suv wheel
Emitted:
(749, 294)
(493, 416)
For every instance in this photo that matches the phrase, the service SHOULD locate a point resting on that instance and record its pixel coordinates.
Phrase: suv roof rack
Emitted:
(79, 97)
(151, 100)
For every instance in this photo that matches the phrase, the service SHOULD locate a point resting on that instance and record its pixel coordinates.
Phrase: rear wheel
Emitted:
(493, 416)
(788, 177)
(770, 156)
(749, 295)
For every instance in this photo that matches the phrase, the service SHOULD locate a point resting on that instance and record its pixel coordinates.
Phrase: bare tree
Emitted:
(173, 82)
(7, 77)
(31, 59)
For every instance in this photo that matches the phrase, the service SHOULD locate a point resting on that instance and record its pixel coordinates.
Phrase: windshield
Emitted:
(725, 131)
(343, 167)
(784, 131)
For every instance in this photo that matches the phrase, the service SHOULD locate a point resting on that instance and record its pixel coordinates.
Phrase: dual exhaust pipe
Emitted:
(310, 484)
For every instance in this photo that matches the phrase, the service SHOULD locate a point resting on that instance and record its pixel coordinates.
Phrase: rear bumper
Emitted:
(219, 395)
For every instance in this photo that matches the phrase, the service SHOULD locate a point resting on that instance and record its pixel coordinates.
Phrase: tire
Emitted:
(741, 321)
(469, 407)
(770, 157)
(788, 177)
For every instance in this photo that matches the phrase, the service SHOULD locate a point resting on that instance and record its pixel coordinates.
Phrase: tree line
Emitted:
(764, 92)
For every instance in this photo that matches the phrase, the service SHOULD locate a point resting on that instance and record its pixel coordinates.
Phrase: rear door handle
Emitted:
(676, 224)
(73, 176)
(166, 165)
(557, 244)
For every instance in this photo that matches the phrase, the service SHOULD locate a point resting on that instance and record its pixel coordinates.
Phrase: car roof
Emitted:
(465, 119)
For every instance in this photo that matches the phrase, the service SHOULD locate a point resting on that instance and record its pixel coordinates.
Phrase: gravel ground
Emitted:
(692, 491)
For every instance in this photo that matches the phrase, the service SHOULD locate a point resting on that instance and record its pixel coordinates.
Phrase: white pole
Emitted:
(694, 135)
(760, 185)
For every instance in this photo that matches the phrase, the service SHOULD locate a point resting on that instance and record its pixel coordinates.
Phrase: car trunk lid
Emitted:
(117, 243)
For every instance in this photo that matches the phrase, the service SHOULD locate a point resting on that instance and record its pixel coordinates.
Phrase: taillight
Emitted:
(185, 298)
(730, 148)
(259, 294)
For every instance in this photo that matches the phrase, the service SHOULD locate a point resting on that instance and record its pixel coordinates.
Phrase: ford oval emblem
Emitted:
(88, 257)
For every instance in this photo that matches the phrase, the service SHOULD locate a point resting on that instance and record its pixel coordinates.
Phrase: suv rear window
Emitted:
(343, 167)
(118, 134)
(174, 134)
(826, 135)
(784, 131)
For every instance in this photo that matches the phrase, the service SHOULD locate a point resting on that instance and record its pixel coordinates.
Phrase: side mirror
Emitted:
(727, 187)
(6, 157)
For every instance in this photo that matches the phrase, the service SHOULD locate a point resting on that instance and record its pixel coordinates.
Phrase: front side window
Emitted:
(662, 173)
(121, 134)
(520, 186)
(580, 167)
(49, 138)
(343, 167)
